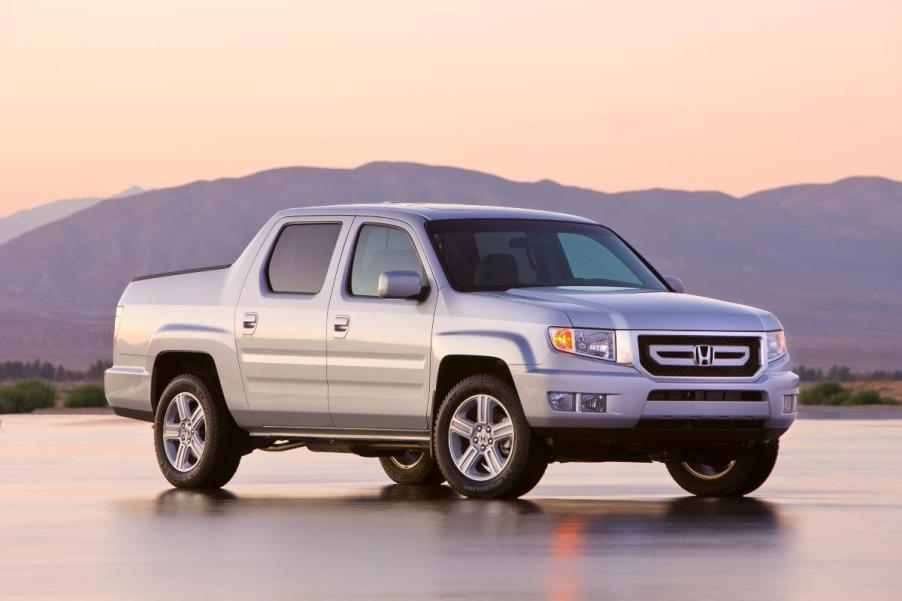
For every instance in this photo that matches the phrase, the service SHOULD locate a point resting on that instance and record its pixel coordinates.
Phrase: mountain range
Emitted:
(826, 258)
(22, 222)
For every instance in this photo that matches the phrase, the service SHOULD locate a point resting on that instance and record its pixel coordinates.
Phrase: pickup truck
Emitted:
(467, 344)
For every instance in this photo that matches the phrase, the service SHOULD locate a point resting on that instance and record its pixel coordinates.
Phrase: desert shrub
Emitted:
(843, 397)
(833, 393)
(26, 396)
(824, 393)
(89, 395)
(869, 396)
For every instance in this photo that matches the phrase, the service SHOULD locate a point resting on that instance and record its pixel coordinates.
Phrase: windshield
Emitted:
(498, 254)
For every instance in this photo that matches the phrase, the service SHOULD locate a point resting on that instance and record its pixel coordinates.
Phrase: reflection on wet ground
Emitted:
(83, 514)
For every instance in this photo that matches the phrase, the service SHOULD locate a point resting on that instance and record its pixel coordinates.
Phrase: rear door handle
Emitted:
(249, 322)
(340, 326)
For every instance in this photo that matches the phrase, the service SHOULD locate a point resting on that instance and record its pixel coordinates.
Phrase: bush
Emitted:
(823, 394)
(27, 396)
(843, 397)
(89, 395)
(869, 396)
(832, 393)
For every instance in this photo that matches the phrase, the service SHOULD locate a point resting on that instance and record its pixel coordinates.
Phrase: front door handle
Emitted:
(340, 326)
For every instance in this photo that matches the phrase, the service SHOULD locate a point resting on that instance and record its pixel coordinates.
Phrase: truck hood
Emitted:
(628, 309)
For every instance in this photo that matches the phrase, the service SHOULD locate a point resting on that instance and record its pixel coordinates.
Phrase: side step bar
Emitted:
(371, 443)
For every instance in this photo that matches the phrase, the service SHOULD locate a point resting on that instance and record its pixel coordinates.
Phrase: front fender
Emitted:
(511, 347)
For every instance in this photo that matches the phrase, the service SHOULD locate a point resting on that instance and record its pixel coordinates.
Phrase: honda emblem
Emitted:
(704, 354)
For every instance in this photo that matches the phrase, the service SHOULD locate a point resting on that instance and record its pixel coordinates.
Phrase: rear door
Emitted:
(280, 322)
(379, 349)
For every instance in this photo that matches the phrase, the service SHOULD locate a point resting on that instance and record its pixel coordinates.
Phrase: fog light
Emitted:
(562, 401)
(790, 402)
(592, 403)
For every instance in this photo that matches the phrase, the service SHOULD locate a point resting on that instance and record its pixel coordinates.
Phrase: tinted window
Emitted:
(301, 257)
(381, 248)
(498, 254)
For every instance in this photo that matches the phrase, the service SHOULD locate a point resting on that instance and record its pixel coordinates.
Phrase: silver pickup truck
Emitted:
(466, 344)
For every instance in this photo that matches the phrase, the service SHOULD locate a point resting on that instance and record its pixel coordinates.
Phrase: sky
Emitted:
(98, 95)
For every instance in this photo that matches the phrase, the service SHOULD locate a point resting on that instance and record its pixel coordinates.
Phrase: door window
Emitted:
(379, 249)
(301, 257)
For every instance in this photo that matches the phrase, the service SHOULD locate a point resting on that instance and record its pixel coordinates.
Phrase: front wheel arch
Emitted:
(455, 368)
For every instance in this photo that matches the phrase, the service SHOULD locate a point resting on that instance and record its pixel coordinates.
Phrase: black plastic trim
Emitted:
(706, 395)
(658, 440)
(140, 414)
(180, 272)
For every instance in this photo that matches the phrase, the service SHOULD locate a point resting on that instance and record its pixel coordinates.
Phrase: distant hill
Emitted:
(26, 220)
(826, 258)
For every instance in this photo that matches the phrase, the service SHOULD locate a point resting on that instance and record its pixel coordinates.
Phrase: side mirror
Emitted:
(675, 283)
(400, 284)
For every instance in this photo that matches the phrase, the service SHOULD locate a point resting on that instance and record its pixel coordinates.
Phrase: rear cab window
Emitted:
(300, 258)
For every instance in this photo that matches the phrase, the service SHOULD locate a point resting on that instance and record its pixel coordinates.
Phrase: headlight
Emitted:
(776, 345)
(598, 344)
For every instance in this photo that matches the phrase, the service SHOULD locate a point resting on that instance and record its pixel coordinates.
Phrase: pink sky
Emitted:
(97, 95)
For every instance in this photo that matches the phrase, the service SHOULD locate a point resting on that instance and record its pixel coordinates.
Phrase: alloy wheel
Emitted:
(407, 460)
(481, 437)
(184, 432)
(704, 471)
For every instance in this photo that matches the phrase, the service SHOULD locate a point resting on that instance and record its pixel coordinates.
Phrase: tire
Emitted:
(487, 468)
(736, 478)
(412, 467)
(217, 440)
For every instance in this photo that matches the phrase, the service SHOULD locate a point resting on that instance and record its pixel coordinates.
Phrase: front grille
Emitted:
(700, 356)
(705, 395)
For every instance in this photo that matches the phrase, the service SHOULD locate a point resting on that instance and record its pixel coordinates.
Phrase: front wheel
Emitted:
(412, 467)
(729, 477)
(483, 442)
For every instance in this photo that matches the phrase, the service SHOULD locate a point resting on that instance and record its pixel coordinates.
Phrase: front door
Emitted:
(379, 349)
(280, 322)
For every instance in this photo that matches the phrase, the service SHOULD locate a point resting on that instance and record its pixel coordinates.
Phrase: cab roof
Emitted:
(431, 211)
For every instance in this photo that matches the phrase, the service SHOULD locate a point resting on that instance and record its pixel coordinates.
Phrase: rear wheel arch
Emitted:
(170, 364)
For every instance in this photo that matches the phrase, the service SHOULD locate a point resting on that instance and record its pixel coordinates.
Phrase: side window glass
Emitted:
(301, 257)
(381, 248)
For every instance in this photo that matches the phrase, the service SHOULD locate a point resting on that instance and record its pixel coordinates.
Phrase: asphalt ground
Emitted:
(85, 514)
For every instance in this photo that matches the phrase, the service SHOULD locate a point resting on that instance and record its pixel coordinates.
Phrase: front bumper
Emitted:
(628, 391)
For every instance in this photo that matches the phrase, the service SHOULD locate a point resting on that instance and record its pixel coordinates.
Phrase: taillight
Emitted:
(119, 311)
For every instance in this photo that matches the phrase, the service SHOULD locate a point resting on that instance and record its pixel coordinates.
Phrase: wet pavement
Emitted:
(84, 514)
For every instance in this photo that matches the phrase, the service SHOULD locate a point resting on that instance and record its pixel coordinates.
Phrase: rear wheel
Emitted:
(728, 477)
(412, 467)
(483, 443)
(197, 443)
